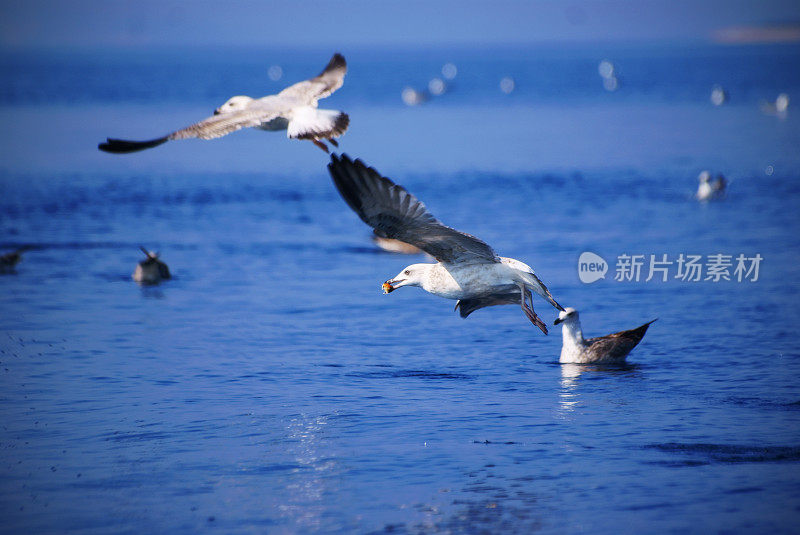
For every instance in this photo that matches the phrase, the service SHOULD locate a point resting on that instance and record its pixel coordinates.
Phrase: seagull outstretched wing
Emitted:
(394, 213)
(213, 127)
(329, 80)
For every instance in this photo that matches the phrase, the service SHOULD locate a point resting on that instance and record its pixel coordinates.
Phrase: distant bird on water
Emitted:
(611, 348)
(710, 189)
(779, 107)
(151, 270)
(718, 95)
(467, 270)
(9, 260)
(294, 109)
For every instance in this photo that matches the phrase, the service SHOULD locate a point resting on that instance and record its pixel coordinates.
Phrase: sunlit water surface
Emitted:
(271, 387)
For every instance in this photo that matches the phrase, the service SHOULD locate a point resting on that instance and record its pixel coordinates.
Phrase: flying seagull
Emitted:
(467, 269)
(294, 109)
(603, 349)
(151, 270)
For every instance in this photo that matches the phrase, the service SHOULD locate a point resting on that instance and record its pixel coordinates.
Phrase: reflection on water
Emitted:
(307, 486)
(569, 394)
(151, 292)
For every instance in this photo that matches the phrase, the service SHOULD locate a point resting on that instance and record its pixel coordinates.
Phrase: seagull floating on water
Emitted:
(413, 97)
(467, 269)
(718, 95)
(603, 349)
(294, 109)
(9, 260)
(151, 270)
(708, 189)
(779, 107)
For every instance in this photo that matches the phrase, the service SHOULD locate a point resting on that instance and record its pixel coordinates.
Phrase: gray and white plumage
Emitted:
(151, 270)
(467, 268)
(611, 348)
(294, 109)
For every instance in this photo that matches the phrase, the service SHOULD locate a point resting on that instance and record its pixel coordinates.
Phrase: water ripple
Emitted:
(728, 453)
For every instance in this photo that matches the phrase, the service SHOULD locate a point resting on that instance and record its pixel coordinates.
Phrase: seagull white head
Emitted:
(568, 316)
(570, 325)
(412, 275)
(234, 104)
(704, 177)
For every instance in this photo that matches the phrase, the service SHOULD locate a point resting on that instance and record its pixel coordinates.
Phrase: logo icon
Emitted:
(591, 267)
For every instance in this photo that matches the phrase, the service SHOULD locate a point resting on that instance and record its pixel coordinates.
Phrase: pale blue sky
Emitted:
(348, 23)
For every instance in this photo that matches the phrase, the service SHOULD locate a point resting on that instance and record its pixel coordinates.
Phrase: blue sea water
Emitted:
(271, 387)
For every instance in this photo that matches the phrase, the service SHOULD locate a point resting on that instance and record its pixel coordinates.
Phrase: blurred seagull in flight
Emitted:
(604, 349)
(467, 269)
(294, 109)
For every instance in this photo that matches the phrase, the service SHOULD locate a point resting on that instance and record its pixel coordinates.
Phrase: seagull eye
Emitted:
(407, 272)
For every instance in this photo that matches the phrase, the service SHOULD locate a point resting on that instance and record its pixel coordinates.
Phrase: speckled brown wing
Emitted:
(329, 80)
(225, 123)
(618, 345)
(213, 127)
